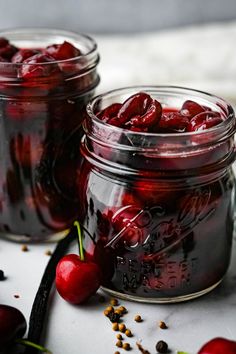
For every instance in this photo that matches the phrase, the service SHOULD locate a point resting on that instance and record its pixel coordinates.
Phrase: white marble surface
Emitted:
(197, 57)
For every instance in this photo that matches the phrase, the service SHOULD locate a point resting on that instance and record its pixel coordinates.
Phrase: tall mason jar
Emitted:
(40, 132)
(158, 208)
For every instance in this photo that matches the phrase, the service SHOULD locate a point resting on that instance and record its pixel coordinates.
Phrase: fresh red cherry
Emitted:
(219, 346)
(23, 54)
(36, 67)
(12, 325)
(77, 280)
(62, 51)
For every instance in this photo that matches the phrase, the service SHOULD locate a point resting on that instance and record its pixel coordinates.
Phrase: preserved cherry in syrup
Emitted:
(44, 90)
(157, 190)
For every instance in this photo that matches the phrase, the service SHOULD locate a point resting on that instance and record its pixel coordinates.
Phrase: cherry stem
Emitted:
(27, 343)
(81, 250)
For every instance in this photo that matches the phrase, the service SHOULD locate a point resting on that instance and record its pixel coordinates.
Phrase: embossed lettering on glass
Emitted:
(158, 207)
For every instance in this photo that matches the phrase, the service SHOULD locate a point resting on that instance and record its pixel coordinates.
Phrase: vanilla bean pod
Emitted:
(39, 308)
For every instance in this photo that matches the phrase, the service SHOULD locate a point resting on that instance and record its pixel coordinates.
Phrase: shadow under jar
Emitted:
(42, 106)
(158, 207)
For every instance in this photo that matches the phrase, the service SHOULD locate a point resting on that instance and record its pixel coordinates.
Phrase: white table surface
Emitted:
(203, 58)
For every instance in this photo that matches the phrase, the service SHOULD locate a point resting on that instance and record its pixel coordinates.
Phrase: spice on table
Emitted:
(16, 296)
(122, 309)
(142, 350)
(110, 309)
(119, 336)
(114, 302)
(162, 325)
(115, 326)
(2, 275)
(162, 347)
(24, 248)
(48, 253)
(138, 318)
(128, 333)
(113, 317)
(126, 346)
(120, 313)
(122, 327)
(119, 344)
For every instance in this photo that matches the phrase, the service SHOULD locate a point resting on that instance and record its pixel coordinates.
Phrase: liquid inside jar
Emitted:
(46, 79)
(158, 203)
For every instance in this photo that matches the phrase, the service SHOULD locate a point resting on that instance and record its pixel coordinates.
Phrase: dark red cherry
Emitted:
(219, 346)
(27, 149)
(204, 121)
(12, 325)
(62, 51)
(77, 280)
(172, 122)
(149, 118)
(6, 49)
(191, 108)
(39, 65)
(3, 42)
(135, 105)
(23, 54)
(109, 112)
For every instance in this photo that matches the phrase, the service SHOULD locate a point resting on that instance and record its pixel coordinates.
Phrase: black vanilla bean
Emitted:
(39, 308)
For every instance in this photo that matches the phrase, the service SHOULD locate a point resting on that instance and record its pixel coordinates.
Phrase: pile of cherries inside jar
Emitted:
(142, 113)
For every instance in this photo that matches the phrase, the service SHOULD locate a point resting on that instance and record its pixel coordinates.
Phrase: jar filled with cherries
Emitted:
(46, 79)
(158, 191)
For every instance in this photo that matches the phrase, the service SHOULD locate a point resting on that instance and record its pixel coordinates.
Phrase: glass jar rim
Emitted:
(52, 31)
(229, 122)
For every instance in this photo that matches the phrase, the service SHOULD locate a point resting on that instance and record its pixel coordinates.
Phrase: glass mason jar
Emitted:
(40, 132)
(158, 208)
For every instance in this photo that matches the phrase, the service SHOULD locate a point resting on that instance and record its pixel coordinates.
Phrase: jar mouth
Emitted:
(49, 36)
(96, 128)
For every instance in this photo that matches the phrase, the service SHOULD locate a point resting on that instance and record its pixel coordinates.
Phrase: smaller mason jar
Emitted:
(158, 208)
(42, 106)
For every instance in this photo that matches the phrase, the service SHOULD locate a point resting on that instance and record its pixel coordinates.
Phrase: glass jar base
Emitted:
(160, 300)
(22, 238)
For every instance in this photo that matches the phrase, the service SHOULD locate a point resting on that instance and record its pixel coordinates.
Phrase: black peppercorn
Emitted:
(2, 276)
(162, 347)
(113, 317)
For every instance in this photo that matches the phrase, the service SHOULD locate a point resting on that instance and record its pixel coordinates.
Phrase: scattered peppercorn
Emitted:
(114, 302)
(119, 336)
(48, 253)
(138, 318)
(126, 346)
(16, 296)
(2, 275)
(119, 344)
(128, 333)
(115, 326)
(113, 317)
(162, 347)
(24, 248)
(122, 327)
(110, 309)
(120, 313)
(122, 309)
(162, 325)
(106, 313)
